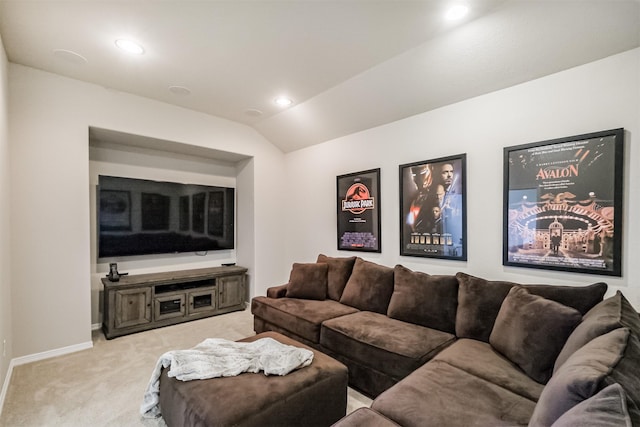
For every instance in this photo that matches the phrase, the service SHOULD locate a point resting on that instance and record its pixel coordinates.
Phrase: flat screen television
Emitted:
(144, 217)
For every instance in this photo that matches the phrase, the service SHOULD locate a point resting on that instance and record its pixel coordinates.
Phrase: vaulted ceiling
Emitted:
(347, 65)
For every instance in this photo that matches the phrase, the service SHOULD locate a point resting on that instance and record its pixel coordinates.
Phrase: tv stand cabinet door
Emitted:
(132, 307)
(169, 306)
(231, 291)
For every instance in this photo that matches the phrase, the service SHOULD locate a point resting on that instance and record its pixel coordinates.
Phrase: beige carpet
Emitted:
(103, 386)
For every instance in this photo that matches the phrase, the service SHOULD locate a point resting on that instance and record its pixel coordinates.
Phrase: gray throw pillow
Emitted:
(308, 281)
(610, 314)
(581, 376)
(531, 330)
(607, 408)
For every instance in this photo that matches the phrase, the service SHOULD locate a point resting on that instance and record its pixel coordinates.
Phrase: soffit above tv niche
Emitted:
(99, 137)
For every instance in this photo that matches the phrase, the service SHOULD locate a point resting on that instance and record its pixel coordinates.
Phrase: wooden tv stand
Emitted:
(146, 301)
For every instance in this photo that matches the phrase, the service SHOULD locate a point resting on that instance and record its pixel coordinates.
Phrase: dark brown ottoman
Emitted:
(312, 396)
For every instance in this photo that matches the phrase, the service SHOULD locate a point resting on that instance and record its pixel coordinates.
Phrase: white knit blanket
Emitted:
(216, 357)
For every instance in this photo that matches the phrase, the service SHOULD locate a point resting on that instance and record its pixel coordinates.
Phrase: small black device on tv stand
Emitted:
(114, 275)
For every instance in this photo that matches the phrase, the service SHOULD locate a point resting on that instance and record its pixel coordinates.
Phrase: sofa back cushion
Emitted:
(339, 272)
(531, 330)
(608, 359)
(369, 287)
(612, 313)
(582, 298)
(308, 281)
(424, 299)
(479, 301)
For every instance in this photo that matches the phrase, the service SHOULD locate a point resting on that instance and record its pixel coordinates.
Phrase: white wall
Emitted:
(286, 204)
(5, 248)
(50, 207)
(598, 96)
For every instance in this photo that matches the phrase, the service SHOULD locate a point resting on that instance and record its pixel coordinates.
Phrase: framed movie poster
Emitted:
(563, 204)
(433, 220)
(359, 211)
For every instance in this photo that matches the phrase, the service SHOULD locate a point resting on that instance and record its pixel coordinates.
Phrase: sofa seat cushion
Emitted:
(438, 394)
(299, 316)
(392, 346)
(478, 358)
(365, 417)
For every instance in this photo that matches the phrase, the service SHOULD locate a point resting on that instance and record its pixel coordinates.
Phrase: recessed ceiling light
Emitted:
(70, 56)
(253, 112)
(456, 12)
(130, 46)
(283, 101)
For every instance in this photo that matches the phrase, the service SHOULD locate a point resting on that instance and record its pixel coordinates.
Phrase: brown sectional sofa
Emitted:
(438, 350)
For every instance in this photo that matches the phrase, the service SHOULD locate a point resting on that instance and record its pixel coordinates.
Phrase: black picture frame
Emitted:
(433, 208)
(215, 214)
(155, 208)
(358, 216)
(197, 212)
(114, 210)
(562, 205)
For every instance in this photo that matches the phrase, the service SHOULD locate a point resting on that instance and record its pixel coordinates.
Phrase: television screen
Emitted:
(142, 217)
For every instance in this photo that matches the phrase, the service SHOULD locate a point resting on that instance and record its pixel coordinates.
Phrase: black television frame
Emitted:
(123, 231)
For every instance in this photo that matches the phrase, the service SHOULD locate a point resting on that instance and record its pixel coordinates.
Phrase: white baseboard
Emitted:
(36, 357)
(96, 326)
(5, 385)
(51, 353)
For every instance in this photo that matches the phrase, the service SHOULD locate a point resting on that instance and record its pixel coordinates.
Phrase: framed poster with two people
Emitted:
(433, 208)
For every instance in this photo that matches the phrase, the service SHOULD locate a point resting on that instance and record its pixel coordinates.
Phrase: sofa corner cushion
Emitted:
(588, 370)
(607, 408)
(582, 298)
(612, 313)
(369, 288)
(424, 299)
(479, 301)
(338, 274)
(308, 281)
(531, 330)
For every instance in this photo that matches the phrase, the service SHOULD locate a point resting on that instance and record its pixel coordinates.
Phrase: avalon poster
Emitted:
(359, 211)
(563, 204)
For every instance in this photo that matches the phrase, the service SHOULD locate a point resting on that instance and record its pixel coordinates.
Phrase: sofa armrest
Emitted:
(277, 291)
